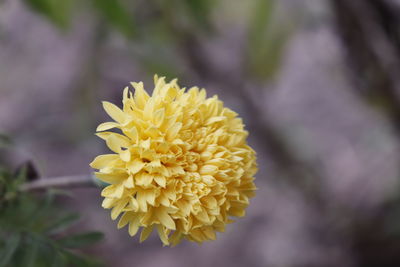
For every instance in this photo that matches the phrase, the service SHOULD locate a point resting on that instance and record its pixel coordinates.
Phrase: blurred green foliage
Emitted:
(200, 11)
(267, 39)
(34, 231)
(116, 15)
(5, 140)
(161, 28)
(59, 12)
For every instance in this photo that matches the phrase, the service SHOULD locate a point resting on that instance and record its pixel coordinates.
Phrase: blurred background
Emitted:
(316, 81)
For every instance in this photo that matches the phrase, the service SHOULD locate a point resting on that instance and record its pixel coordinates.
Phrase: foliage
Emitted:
(59, 12)
(34, 231)
(267, 40)
(116, 15)
(5, 140)
(160, 29)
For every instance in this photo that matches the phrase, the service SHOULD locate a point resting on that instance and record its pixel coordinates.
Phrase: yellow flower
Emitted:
(180, 164)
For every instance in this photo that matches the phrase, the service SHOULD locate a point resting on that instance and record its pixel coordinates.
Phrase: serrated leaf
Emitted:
(11, 246)
(63, 223)
(80, 240)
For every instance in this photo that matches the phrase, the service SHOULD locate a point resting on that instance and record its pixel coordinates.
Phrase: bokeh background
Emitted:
(316, 81)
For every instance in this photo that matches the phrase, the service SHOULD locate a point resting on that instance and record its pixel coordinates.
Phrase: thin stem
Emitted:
(65, 181)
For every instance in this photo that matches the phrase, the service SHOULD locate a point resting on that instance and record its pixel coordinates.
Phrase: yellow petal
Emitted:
(119, 191)
(160, 180)
(210, 202)
(215, 119)
(175, 238)
(125, 95)
(145, 144)
(113, 191)
(135, 166)
(110, 177)
(237, 212)
(155, 78)
(116, 211)
(141, 199)
(134, 225)
(203, 216)
(143, 179)
(159, 83)
(197, 235)
(125, 219)
(146, 231)
(128, 183)
(152, 132)
(173, 130)
(208, 169)
(209, 233)
(150, 196)
(125, 155)
(148, 109)
(133, 204)
(108, 203)
(107, 126)
(114, 112)
(162, 234)
(103, 160)
(104, 135)
(158, 118)
(141, 95)
(116, 141)
(162, 199)
(165, 219)
(184, 206)
(133, 134)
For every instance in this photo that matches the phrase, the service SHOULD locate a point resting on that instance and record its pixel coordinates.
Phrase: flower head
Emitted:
(181, 163)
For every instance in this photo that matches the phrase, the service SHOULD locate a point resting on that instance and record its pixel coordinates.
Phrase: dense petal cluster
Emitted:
(181, 163)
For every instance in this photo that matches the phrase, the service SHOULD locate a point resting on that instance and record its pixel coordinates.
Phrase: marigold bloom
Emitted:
(181, 163)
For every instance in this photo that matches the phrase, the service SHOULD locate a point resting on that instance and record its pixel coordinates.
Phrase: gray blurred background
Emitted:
(316, 81)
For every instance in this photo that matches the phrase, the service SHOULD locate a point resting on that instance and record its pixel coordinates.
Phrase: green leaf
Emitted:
(46, 251)
(80, 240)
(38, 219)
(27, 253)
(59, 259)
(63, 223)
(10, 248)
(116, 15)
(58, 12)
(30, 256)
